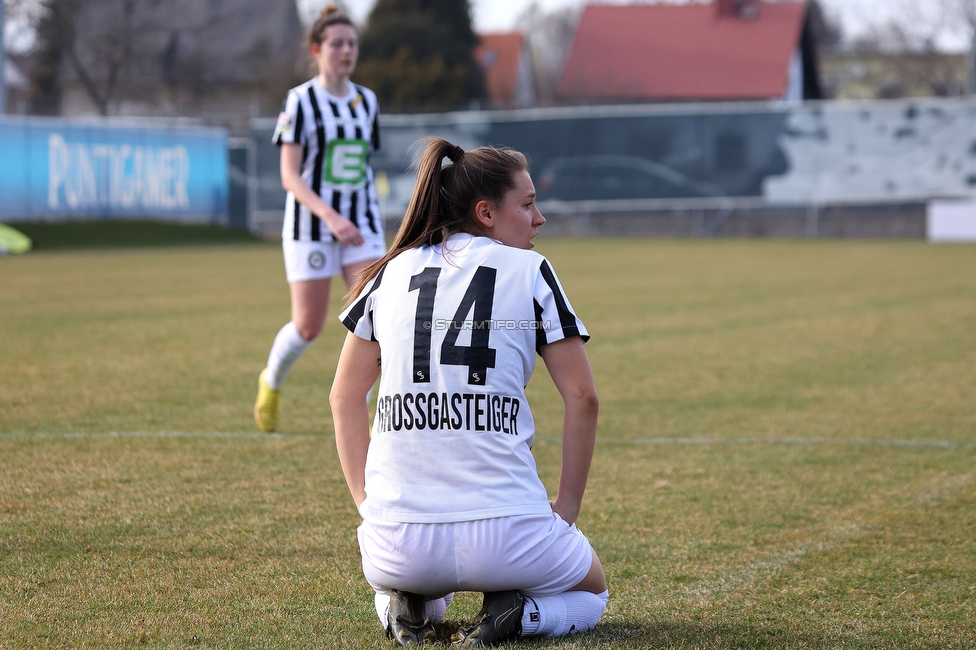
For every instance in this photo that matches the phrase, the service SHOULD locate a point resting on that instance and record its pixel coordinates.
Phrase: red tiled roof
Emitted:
(499, 55)
(682, 52)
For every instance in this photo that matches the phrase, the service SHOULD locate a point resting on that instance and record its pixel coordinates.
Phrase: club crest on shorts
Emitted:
(316, 259)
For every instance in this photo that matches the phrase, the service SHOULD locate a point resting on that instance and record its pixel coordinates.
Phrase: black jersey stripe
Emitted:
(337, 205)
(371, 218)
(354, 208)
(296, 206)
(358, 308)
(370, 110)
(340, 127)
(299, 123)
(316, 227)
(540, 333)
(295, 218)
(362, 98)
(365, 192)
(340, 135)
(567, 319)
(320, 137)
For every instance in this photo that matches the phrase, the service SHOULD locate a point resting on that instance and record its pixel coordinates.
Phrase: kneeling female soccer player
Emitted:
(447, 486)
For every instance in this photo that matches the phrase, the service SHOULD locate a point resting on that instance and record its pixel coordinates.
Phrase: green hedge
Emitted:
(126, 233)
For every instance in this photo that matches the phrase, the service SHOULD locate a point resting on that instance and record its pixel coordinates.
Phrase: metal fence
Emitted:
(696, 169)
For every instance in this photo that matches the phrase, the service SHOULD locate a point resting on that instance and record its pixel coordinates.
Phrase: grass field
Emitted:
(785, 458)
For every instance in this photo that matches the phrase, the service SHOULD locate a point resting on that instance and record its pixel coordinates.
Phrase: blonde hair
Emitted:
(330, 16)
(444, 198)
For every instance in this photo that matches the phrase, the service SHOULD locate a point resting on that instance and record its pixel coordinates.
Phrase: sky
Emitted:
(855, 15)
(502, 15)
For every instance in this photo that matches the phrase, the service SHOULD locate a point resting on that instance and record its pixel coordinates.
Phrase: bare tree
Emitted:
(911, 27)
(99, 41)
(21, 19)
(828, 31)
(911, 42)
(550, 37)
(48, 51)
(110, 54)
(165, 56)
(965, 11)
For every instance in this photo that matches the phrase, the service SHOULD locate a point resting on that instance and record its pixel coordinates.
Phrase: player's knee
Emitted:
(595, 580)
(308, 331)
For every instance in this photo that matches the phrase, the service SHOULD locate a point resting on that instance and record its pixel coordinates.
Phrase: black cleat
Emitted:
(500, 619)
(405, 620)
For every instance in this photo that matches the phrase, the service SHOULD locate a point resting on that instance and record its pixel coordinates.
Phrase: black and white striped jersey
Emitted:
(337, 135)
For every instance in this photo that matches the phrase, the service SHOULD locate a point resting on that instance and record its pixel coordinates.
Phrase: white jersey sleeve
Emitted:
(290, 127)
(555, 317)
(358, 317)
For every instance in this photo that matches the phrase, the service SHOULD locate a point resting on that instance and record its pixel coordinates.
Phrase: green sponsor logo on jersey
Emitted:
(345, 163)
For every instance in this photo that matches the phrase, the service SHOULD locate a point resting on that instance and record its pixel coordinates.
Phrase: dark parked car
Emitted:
(602, 177)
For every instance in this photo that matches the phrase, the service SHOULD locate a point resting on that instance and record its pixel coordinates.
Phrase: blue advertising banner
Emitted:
(52, 169)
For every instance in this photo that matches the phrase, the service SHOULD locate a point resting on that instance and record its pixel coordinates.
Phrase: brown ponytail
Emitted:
(444, 198)
(330, 16)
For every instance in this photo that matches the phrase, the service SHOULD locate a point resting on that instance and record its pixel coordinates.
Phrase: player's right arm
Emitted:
(345, 232)
(569, 367)
(356, 373)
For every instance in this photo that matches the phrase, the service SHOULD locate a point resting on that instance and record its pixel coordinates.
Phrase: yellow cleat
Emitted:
(268, 405)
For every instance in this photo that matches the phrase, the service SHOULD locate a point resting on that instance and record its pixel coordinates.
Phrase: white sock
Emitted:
(433, 609)
(382, 603)
(287, 348)
(436, 609)
(562, 614)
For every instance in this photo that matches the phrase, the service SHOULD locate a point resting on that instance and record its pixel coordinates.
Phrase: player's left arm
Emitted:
(356, 373)
(570, 370)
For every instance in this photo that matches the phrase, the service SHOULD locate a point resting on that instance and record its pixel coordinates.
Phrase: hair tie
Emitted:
(455, 154)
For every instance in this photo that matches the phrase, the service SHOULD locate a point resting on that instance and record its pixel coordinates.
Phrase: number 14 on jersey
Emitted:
(478, 357)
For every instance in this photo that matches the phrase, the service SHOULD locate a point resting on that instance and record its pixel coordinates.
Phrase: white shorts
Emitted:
(537, 554)
(316, 260)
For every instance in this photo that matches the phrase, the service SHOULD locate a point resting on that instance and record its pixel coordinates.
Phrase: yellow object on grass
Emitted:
(13, 241)
(268, 405)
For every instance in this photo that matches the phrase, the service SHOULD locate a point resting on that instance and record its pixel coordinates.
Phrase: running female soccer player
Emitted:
(332, 220)
(447, 486)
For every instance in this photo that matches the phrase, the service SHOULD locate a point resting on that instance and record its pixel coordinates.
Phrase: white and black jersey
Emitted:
(459, 325)
(337, 135)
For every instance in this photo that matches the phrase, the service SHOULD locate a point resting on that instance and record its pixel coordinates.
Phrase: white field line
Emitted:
(702, 441)
(770, 442)
(827, 442)
(68, 435)
(771, 563)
